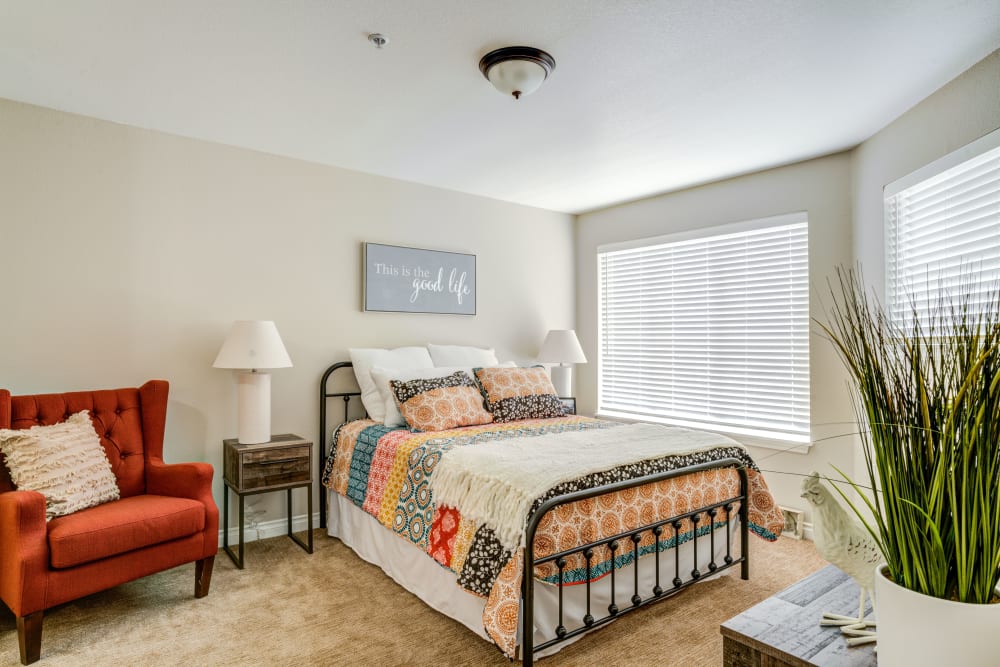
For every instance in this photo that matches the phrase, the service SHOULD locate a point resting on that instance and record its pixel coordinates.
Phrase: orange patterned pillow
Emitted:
(519, 393)
(437, 404)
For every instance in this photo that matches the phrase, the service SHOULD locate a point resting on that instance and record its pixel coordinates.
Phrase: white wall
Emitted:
(820, 187)
(958, 113)
(843, 197)
(126, 255)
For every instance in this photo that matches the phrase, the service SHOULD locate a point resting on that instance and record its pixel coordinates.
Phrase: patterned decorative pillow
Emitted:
(393, 417)
(382, 377)
(519, 393)
(437, 404)
(64, 462)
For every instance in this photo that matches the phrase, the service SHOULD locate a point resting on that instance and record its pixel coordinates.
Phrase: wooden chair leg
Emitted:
(29, 637)
(203, 576)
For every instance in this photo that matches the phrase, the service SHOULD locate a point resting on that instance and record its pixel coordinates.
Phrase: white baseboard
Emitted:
(266, 529)
(807, 531)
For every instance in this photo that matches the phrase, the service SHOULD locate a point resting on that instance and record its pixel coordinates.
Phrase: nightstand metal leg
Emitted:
(309, 492)
(237, 561)
(240, 564)
(295, 538)
(225, 518)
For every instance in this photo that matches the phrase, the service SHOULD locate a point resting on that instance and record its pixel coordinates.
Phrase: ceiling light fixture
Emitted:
(517, 70)
(378, 39)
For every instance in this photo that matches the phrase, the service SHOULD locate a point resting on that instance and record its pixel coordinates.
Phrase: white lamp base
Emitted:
(562, 380)
(254, 408)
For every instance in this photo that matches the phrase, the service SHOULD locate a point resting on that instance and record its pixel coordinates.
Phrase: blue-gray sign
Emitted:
(413, 280)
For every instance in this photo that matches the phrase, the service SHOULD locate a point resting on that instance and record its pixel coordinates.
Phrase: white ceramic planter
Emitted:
(916, 630)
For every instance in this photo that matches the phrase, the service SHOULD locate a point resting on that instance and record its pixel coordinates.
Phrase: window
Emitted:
(943, 230)
(709, 330)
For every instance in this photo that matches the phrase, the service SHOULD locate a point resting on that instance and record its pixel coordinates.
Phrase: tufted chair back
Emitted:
(130, 423)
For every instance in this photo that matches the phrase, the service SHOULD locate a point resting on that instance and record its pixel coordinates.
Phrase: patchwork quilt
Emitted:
(388, 473)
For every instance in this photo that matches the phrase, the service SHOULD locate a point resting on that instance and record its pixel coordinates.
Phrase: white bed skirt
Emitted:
(437, 586)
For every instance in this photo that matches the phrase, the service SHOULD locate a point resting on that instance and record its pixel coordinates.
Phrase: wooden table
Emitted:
(283, 463)
(784, 629)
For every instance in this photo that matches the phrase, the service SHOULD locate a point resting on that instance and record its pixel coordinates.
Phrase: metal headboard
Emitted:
(324, 436)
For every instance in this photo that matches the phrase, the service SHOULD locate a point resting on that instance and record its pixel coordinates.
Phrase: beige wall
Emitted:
(820, 187)
(126, 254)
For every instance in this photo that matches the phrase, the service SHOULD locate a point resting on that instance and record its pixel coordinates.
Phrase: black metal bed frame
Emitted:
(325, 394)
(614, 543)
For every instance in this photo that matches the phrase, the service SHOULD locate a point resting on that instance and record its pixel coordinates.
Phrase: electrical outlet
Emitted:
(252, 516)
(794, 522)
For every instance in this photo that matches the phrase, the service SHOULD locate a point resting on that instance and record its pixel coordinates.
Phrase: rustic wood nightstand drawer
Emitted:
(275, 466)
(287, 459)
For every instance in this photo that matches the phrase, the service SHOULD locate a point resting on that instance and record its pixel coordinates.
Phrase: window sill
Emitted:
(782, 446)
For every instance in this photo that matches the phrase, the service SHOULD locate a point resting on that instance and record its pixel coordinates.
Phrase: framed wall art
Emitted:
(414, 280)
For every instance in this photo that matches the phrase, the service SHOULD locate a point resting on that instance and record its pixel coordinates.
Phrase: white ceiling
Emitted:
(647, 96)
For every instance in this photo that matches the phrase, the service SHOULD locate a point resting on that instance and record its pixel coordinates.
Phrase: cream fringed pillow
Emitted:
(64, 462)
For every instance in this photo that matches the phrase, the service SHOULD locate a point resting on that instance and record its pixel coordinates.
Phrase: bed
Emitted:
(606, 533)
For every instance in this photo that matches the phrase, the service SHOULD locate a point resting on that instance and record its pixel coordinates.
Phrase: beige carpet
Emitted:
(332, 608)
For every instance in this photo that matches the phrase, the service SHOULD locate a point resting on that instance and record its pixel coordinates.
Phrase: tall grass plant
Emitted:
(928, 399)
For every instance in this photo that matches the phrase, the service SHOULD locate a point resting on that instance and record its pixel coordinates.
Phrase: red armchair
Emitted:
(166, 515)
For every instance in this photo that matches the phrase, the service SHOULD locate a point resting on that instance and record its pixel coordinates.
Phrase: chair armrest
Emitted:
(187, 480)
(24, 551)
(181, 480)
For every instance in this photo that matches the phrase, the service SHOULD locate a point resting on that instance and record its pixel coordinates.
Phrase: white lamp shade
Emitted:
(523, 76)
(562, 346)
(253, 344)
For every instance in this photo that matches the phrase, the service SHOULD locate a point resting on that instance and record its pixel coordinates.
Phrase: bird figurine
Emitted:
(849, 546)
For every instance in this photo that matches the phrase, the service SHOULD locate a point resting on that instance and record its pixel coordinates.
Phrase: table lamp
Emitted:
(253, 345)
(563, 347)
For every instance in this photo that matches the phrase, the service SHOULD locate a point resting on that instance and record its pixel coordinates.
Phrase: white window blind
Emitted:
(943, 231)
(709, 332)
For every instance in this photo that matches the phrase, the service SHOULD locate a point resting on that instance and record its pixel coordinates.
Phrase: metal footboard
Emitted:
(662, 529)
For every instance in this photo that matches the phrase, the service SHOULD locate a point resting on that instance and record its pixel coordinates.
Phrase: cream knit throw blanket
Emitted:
(495, 483)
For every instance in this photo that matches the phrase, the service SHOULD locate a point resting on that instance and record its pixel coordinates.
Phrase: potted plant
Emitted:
(928, 400)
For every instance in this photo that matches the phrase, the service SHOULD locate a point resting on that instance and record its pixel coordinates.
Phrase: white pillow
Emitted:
(65, 462)
(462, 355)
(393, 417)
(366, 358)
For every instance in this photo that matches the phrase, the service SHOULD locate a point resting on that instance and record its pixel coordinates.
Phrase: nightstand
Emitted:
(569, 404)
(284, 463)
